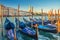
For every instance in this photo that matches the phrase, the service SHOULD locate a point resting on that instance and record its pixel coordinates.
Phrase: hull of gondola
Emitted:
(9, 26)
(9, 38)
(45, 22)
(22, 26)
(32, 36)
(51, 31)
(47, 29)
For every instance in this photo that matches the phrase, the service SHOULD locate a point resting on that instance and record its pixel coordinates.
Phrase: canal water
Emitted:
(41, 34)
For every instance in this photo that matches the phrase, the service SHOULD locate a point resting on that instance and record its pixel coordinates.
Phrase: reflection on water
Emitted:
(41, 36)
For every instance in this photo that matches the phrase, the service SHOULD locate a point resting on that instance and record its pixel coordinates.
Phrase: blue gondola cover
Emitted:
(8, 25)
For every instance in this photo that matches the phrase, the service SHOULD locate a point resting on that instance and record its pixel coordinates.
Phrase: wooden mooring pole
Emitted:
(58, 23)
(55, 15)
(42, 16)
(52, 16)
(2, 11)
(49, 15)
(36, 26)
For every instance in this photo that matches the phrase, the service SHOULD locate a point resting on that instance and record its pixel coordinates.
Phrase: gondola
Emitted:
(39, 22)
(45, 22)
(24, 29)
(28, 23)
(38, 19)
(25, 20)
(9, 27)
(48, 28)
(49, 21)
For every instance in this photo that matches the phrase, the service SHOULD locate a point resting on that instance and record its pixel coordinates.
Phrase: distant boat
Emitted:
(24, 29)
(9, 27)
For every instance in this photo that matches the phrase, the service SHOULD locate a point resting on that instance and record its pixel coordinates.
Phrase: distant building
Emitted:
(12, 11)
(3, 10)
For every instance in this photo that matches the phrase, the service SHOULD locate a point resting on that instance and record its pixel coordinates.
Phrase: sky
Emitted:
(37, 4)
